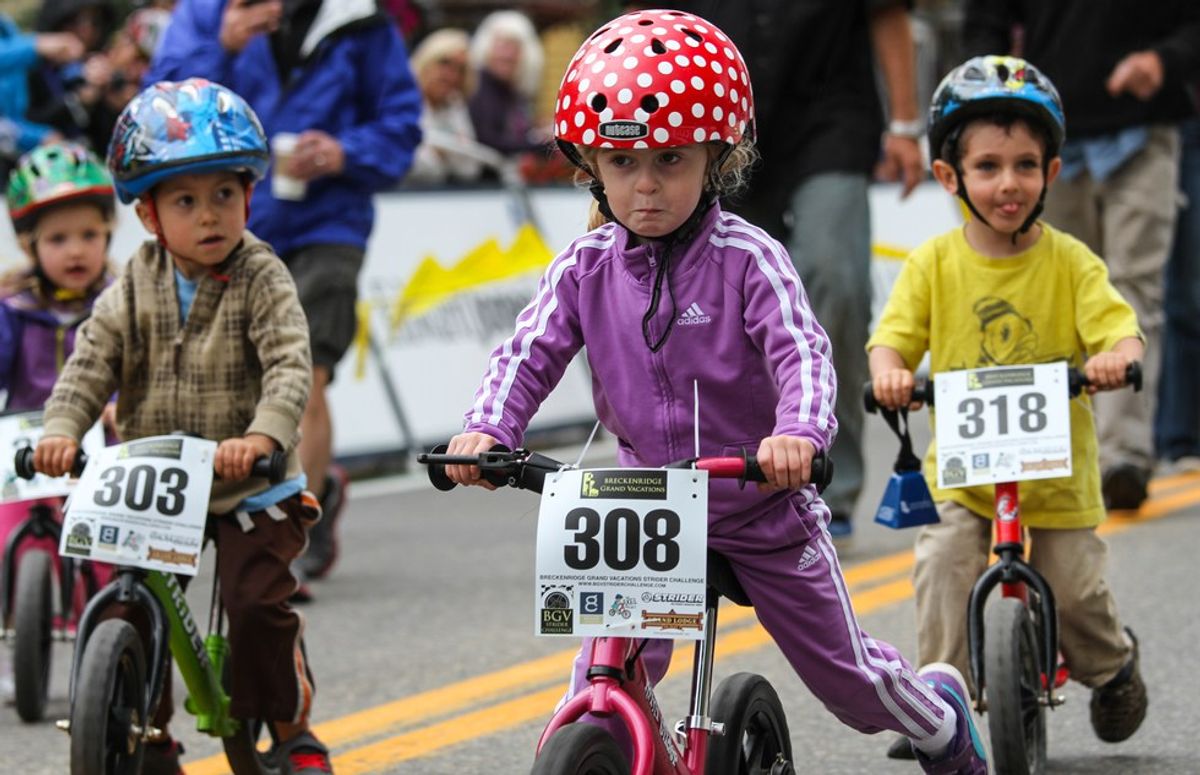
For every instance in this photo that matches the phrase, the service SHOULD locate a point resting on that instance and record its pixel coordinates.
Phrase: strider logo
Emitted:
(694, 316)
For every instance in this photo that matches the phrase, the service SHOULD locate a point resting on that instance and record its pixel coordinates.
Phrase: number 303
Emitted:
(139, 488)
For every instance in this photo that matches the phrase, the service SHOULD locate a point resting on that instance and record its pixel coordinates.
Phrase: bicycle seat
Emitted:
(721, 578)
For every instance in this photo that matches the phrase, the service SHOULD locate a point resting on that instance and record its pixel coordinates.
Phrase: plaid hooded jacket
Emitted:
(239, 364)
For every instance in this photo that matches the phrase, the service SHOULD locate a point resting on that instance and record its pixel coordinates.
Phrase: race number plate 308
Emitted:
(622, 552)
(1003, 424)
(143, 503)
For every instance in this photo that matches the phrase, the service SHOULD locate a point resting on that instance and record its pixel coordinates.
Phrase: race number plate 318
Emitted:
(622, 552)
(143, 503)
(1002, 424)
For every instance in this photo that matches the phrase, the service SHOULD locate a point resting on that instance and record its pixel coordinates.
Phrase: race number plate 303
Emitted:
(143, 504)
(622, 553)
(1002, 424)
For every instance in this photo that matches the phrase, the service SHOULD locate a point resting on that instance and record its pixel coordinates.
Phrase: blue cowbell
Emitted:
(906, 501)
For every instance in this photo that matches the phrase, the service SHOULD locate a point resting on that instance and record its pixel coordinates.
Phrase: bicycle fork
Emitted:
(618, 686)
(1015, 578)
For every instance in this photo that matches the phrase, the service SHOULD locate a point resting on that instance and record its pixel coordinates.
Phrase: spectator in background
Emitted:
(19, 52)
(1123, 85)
(506, 56)
(821, 135)
(130, 54)
(335, 73)
(445, 154)
(70, 96)
(1177, 423)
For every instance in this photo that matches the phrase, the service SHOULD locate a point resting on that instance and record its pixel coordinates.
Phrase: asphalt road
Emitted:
(422, 642)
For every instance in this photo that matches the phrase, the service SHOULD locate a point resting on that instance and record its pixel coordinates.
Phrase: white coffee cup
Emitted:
(283, 186)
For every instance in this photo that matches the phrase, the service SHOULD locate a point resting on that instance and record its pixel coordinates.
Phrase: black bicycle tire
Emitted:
(114, 662)
(756, 738)
(241, 748)
(33, 639)
(580, 749)
(1016, 716)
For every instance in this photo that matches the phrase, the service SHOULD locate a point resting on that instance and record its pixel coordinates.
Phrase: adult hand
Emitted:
(245, 19)
(98, 71)
(58, 47)
(317, 154)
(1139, 74)
(902, 162)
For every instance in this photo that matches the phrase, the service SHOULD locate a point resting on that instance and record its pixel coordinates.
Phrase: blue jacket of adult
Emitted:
(17, 55)
(351, 81)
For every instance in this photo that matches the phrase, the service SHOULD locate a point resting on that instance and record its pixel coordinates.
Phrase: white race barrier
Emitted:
(459, 267)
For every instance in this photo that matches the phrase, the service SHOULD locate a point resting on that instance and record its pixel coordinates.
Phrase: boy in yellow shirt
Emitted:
(1009, 289)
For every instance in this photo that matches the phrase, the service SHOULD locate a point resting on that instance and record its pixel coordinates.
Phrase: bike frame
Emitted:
(200, 660)
(617, 686)
(1014, 577)
(41, 524)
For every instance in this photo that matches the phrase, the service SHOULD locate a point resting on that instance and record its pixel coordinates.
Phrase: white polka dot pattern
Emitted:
(616, 89)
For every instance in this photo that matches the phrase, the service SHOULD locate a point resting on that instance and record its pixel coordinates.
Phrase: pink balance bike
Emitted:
(742, 731)
(1013, 643)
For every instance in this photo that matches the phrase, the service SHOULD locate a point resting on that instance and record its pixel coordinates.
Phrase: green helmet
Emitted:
(51, 175)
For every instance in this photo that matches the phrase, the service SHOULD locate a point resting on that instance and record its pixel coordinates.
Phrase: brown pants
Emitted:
(269, 675)
(951, 555)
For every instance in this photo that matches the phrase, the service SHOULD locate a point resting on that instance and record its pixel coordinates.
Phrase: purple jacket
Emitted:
(742, 328)
(34, 344)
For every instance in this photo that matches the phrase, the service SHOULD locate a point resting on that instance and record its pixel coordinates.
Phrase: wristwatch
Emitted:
(911, 130)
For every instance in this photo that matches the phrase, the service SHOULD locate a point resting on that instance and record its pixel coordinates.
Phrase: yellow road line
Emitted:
(539, 705)
(453, 697)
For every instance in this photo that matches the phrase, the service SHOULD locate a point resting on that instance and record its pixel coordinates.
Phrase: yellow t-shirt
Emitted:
(1052, 302)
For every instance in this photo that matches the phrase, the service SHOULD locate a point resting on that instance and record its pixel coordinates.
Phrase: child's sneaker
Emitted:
(304, 754)
(965, 755)
(1119, 706)
(162, 758)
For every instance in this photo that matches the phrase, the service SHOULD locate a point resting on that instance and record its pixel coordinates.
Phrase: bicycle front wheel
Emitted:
(108, 715)
(756, 739)
(580, 749)
(1013, 685)
(33, 622)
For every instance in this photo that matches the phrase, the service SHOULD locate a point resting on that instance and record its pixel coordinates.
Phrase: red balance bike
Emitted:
(1013, 643)
(742, 730)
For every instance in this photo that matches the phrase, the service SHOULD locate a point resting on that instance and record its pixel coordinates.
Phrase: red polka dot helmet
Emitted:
(654, 79)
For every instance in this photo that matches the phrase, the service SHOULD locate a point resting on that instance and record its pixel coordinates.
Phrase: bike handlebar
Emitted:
(1077, 381)
(272, 467)
(527, 470)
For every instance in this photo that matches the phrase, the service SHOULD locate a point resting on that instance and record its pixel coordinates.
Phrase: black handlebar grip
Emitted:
(23, 463)
(922, 393)
(868, 392)
(820, 471)
(437, 471)
(1133, 376)
(273, 466)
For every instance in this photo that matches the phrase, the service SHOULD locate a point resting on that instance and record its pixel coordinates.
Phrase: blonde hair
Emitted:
(445, 42)
(515, 25)
(721, 180)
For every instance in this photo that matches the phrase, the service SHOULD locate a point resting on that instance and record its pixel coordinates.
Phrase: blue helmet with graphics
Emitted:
(190, 126)
(990, 85)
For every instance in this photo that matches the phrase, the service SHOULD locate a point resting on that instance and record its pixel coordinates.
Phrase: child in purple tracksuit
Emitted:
(671, 290)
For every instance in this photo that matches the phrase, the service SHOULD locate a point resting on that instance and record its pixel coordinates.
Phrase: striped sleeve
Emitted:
(781, 323)
(525, 367)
